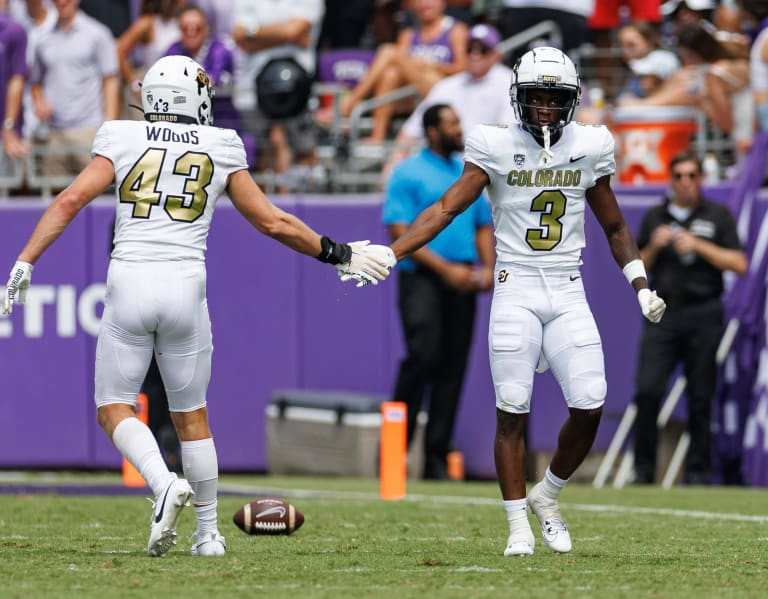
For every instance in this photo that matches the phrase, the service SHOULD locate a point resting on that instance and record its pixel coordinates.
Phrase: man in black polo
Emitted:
(686, 243)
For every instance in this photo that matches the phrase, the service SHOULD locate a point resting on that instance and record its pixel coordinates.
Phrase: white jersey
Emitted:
(538, 210)
(168, 177)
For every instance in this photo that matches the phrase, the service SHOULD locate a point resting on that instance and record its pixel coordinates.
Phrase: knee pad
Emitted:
(587, 387)
(514, 353)
(514, 398)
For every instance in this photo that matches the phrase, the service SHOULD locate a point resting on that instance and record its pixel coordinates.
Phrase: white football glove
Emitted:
(18, 283)
(652, 305)
(369, 264)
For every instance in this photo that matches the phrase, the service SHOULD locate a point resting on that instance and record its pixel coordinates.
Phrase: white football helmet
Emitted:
(547, 69)
(177, 89)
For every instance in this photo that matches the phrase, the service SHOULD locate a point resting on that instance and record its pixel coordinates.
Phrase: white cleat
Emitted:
(212, 544)
(553, 529)
(520, 543)
(166, 511)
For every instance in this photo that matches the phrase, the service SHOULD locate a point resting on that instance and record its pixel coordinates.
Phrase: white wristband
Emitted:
(634, 269)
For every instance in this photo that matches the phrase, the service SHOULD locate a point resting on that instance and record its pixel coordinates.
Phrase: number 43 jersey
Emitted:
(538, 199)
(168, 177)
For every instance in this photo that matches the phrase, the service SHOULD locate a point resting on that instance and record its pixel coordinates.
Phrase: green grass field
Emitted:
(444, 540)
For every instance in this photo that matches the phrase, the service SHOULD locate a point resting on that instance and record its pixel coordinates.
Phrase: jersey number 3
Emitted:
(551, 207)
(139, 187)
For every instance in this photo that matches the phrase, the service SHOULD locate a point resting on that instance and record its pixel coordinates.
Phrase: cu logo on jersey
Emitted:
(502, 276)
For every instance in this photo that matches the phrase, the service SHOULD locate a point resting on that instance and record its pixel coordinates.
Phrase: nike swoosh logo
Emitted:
(577, 158)
(574, 277)
(162, 506)
(273, 510)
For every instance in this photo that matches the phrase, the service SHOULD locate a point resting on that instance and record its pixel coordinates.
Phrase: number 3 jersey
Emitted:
(168, 177)
(538, 200)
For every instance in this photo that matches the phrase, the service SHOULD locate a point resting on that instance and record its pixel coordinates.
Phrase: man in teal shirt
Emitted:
(438, 284)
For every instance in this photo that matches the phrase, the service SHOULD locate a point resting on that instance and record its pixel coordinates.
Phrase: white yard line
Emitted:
(307, 493)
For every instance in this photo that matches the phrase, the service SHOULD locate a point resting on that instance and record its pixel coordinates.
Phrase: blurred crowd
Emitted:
(322, 89)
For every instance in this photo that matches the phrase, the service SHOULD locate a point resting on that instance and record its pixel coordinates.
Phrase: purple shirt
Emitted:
(13, 47)
(215, 57)
(439, 50)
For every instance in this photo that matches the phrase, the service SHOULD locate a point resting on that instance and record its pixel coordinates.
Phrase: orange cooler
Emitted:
(647, 138)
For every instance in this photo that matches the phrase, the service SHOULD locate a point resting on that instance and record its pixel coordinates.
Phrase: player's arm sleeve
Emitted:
(102, 143)
(606, 161)
(477, 151)
(234, 159)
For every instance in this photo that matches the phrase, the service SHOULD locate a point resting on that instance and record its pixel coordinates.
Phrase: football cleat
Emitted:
(165, 514)
(553, 529)
(520, 542)
(210, 544)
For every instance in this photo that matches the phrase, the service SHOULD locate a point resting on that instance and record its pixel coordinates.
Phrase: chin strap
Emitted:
(545, 156)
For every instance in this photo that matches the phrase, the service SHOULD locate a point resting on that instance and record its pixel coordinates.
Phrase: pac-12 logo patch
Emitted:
(519, 159)
(502, 276)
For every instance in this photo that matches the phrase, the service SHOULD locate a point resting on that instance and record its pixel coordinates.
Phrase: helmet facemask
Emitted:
(547, 70)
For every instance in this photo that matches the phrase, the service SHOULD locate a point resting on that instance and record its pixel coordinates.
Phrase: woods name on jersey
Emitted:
(545, 178)
(166, 134)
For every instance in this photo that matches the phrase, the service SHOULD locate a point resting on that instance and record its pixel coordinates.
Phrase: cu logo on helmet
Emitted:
(203, 80)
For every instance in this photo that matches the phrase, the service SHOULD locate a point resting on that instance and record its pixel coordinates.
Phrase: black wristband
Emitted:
(332, 252)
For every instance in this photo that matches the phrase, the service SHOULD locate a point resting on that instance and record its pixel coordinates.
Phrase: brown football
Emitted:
(268, 516)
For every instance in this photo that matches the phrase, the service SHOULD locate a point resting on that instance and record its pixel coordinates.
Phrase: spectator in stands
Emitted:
(219, 14)
(676, 13)
(686, 243)
(713, 79)
(265, 31)
(648, 63)
(151, 35)
(485, 83)
(461, 10)
(13, 71)
(438, 285)
(219, 62)
(198, 43)
(74, 77)
(604, 22)
(569, 15)
(425, 53)
(37, 17)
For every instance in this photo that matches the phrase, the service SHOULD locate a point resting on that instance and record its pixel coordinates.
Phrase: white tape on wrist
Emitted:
(633, 270)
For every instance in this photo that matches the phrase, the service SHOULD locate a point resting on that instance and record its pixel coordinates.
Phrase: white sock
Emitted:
(135, 441)
(517, 514)
(201, 470)
(551, 485)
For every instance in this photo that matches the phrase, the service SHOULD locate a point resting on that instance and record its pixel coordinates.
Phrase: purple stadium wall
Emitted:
(280, 320)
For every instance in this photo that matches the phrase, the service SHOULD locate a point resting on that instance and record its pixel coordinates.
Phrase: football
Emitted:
(268, 516)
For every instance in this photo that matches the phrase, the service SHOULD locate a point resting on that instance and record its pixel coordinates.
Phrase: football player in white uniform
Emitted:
(540, 174)
(168, 174)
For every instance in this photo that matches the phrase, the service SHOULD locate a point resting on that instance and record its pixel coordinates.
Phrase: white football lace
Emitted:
(269, 525)
(554, 525)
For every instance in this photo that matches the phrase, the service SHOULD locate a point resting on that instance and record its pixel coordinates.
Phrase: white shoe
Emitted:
(167, 509)
(212, 544)
(553, 529)
(520, 542)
